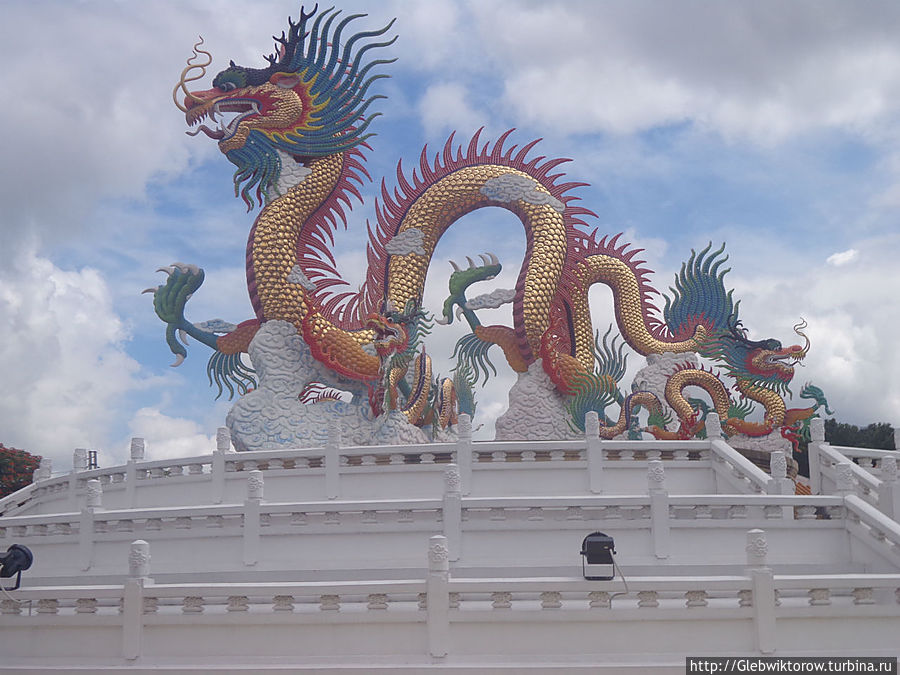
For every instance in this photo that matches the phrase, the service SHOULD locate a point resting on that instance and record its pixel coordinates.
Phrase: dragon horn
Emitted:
(182, 82)
(494, 259)
(798, 329)
(454, 266)
(471, 262)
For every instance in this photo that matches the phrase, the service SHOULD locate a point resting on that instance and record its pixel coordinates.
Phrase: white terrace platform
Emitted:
(459, 557)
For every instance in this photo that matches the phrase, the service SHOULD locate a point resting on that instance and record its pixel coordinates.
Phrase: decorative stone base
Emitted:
(272, 415)
(536, 411)
(394, 429)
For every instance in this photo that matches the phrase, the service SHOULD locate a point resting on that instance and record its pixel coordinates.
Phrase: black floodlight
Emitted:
(597, 551)
(16, 560)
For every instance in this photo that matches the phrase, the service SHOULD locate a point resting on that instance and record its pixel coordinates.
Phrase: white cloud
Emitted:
(170, 437)
(843, 257)
(762, 71)
(445, 106)
(63, 360)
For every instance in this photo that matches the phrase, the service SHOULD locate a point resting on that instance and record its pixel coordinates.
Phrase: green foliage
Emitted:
(877, 436)
(16, 469)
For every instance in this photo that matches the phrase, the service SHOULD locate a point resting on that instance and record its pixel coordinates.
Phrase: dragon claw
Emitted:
(186, 268)
(460, 280)
(169, 300)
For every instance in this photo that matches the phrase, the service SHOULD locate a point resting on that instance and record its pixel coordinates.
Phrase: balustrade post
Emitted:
(333, 461)
(464, 452)
(94, 494)
(223, 439)
(659, 507)
(137, 449)
(438, 596)
(594, 451)
(889, 490)
(136, 455)
(86, 538)
(763, 583)
(452, 511)
(251, 516)
(79, 459)
(217, 471)
(843, 475)
(79, 463)
(817, 438)
(44, 470)
(133, 598)
(93, 503)
(780, 484)
(713, 426)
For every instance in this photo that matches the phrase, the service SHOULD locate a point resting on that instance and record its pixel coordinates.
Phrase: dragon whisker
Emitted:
(183, 80)
(798, 330)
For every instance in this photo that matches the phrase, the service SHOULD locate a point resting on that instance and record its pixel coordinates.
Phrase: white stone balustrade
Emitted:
(439, 616)
(656, 528)
(571, 462)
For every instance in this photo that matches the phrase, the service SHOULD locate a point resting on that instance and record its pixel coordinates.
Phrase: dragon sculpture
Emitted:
(297, 137)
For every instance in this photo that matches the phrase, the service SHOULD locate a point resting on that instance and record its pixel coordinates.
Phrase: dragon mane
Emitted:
(333, 82)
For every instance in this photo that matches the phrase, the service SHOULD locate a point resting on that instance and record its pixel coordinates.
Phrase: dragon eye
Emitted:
(227, 86)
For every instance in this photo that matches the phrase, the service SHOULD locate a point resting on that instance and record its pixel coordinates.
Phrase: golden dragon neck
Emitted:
(283, 293)
(630, 311)
(283, 290)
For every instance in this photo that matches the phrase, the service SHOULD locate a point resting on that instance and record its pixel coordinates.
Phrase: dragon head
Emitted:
(390, 337)
(765, 363)
(310, 101)
(394, 329)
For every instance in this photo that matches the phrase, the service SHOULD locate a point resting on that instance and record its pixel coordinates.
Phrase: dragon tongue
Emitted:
(218, 134)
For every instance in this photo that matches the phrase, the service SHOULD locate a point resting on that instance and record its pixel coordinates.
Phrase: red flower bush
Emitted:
(16, 469)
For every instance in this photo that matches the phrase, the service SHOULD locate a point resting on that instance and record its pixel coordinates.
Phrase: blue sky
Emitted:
(771, 126)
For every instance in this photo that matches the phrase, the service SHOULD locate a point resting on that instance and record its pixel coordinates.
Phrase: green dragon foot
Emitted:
(460, 281)
(169, 300)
